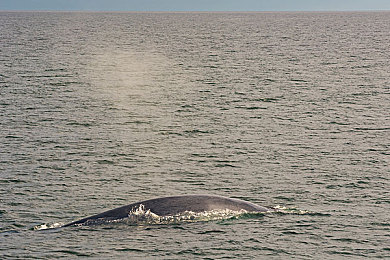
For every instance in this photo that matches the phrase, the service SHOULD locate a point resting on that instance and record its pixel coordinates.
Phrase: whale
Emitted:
(174, 205)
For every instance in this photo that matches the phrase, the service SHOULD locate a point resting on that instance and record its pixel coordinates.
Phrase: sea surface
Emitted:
(286, 110)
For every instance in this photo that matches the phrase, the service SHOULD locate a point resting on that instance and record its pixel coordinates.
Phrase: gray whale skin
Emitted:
(170, 206)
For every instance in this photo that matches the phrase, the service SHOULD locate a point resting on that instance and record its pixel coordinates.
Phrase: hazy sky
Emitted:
(196, 5)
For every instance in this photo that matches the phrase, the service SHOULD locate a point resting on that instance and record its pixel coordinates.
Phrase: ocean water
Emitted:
(286, 110)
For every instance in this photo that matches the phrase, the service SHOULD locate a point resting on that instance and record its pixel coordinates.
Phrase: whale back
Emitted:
(198, 203)
(170, 206)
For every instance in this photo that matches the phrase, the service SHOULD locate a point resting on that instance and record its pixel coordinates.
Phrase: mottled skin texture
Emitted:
(169, 206)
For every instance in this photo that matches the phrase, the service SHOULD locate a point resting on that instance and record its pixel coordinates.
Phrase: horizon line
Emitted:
(196, 11)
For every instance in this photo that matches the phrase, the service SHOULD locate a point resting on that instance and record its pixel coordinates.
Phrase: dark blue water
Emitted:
(288, 110)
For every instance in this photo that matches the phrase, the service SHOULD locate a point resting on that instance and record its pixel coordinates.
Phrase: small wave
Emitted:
(48, 226)
(295, 211)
